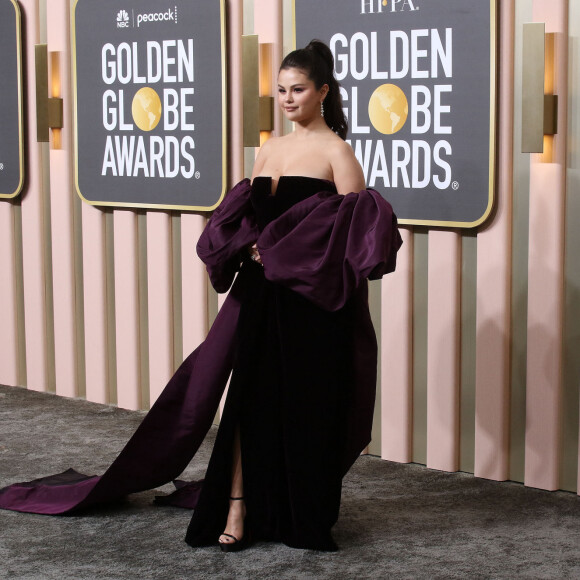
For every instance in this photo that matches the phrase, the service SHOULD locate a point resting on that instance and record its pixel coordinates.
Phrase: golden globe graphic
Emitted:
(146, 109)
(388, 109)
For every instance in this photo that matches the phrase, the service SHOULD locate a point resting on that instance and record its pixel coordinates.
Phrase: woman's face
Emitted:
(297, 95)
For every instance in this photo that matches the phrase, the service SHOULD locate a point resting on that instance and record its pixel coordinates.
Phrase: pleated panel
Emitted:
(288, 26)
(143, 309)
(443, 350)
(248, 15)
(8, 301)
(19, 293)
(235, 14)
(95, 300)
(468, 333)
(519, 274)
(397, 356)
(79, 321)
(61, 206)
(374, 448)
(63, 275)
(176, 289)
(194, 284)
(268, 27)
(571, 377)
(544, 355)
(494, 287)
(109, 252)
(33, 223)
(420, 301)
(545, 275)
(160, 302)
(127, 309)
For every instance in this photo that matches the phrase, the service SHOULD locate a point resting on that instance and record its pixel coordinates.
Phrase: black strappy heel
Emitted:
(236, 545)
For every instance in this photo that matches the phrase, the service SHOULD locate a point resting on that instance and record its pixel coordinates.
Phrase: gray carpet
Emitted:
(397, 521)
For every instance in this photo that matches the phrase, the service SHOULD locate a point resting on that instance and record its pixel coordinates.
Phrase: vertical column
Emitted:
(268, 26)
(443, 351)
(519, 280)
(492, 396)
(397, 357)
(8, 306)
(97, 327)
(571, 427)
(95, 297)
(62, 199)
(127, 309)
(33, 227)
(420, 335)
(545, 275)
(235, 81)
(193, 284)
(160, 302)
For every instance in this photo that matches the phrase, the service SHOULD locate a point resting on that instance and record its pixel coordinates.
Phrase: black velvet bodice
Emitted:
(291, 190)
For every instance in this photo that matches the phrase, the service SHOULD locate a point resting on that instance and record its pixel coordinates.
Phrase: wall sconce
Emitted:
(539, 106)
(49, 109)
(258, 106)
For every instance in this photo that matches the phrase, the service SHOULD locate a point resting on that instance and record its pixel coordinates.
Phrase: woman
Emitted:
(295, 331)
(282, 438)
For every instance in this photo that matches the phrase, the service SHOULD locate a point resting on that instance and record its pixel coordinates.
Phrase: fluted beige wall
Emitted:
(478, 331)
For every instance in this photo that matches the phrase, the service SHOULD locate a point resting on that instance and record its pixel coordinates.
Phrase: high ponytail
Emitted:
(317, 62)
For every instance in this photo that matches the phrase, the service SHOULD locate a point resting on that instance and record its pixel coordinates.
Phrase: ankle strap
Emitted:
(236, 498)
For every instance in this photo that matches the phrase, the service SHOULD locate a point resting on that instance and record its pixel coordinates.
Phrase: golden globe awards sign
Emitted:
(150, 103)
(418, 87)
(11, 144)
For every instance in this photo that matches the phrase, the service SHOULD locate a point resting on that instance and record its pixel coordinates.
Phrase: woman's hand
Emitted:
(254, 254)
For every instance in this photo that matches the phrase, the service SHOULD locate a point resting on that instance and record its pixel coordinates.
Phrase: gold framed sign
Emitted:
(418, 83)
(150, 103)
(11, 114)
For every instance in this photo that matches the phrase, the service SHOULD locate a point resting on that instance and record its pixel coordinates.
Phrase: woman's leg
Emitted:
(237, 513)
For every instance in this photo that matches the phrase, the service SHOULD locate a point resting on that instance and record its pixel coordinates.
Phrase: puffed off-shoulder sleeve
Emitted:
(325, 246)
(230, 230)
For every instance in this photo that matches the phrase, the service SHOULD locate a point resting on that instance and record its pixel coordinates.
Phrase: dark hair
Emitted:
(317, 62)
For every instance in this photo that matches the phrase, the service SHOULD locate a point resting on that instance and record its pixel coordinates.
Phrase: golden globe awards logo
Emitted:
(418, 86)
(142, 108)
(418, 56)
(150, 102)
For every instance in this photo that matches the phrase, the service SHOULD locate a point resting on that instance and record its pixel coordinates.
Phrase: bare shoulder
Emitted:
(269, 145)
(347, 172)
(272, 146)
(341, 148)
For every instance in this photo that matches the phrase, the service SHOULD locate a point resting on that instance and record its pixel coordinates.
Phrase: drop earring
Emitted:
(322, 108)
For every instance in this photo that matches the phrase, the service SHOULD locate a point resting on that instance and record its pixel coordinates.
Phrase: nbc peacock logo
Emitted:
(122, 19)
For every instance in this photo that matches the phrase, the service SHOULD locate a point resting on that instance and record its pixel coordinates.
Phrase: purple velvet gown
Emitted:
(298, 336)
(289, 393)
